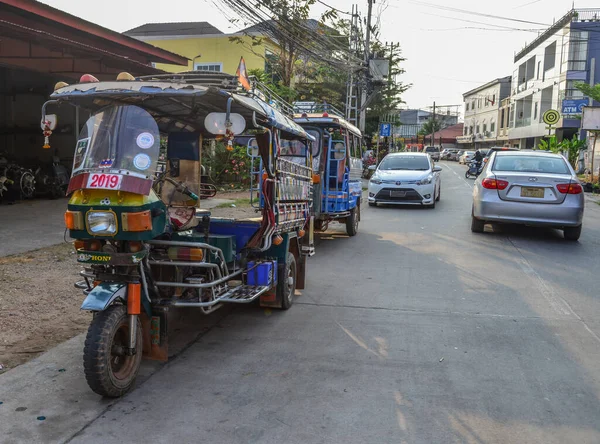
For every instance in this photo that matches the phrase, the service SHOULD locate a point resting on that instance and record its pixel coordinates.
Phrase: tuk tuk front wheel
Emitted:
(109, 370)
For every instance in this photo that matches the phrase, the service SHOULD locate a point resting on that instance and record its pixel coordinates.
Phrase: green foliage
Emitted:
(589, 91)
(570, 148)
(549, 144)
(228, 166)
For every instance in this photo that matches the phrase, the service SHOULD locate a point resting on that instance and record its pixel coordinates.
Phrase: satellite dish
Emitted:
(215, 123)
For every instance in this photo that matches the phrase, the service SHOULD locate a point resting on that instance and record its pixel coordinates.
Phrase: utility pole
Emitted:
(352, 88)
(363, 98)
(433, 127)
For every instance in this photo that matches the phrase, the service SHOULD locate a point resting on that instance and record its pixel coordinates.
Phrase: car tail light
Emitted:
(569, 188)
(494, 184)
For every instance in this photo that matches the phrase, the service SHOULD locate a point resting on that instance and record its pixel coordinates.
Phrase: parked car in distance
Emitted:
(466, 157)
(448, 153)
(433, 151)
(455, 155)
(529, 188)
(406, 179)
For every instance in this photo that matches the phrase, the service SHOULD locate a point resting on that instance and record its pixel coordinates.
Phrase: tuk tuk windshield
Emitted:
(119, 138)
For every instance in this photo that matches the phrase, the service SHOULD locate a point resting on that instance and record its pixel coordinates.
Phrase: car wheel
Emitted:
(477, 225)
(572, 233)
(439, 194)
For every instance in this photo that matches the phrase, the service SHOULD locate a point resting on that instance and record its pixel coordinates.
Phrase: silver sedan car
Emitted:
(530, 188)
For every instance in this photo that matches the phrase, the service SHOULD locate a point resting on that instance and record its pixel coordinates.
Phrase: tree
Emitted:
(430, 127)
(287, 23)
(590, 91)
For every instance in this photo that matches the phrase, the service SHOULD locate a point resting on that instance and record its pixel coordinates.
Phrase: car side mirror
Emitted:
(437, 169)
(372, 167)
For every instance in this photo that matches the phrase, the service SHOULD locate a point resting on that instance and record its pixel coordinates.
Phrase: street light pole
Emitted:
(363, 96)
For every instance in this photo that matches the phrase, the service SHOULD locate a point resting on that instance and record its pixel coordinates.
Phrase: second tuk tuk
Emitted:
(337, 166)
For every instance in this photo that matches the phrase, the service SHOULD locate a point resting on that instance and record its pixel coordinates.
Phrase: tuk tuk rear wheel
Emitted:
(352, 221)
(286, 282)
(109, 370)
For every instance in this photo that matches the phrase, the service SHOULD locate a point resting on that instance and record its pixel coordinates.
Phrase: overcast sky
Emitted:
(445, 55)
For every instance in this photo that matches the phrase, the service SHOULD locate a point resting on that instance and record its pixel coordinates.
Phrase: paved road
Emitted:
(414, 331)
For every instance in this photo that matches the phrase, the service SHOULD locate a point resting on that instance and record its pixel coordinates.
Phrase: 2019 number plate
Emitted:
(105, 181)
(532, 192)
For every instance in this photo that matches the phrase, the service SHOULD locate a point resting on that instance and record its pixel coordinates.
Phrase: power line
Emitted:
(334, 9)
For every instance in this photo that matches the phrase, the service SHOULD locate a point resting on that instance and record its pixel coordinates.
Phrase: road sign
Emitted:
(385, 129)
(551, 117)
(574, 106)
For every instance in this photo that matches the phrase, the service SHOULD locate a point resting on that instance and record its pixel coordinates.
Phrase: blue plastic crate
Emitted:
(265, 273)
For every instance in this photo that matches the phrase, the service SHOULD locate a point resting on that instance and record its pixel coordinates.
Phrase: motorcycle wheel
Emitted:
(109, 371)
(466, 175)
(27, 184)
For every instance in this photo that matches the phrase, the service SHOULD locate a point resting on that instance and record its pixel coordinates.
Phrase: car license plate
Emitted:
(532, 192)
(397, 193)
(104, 181)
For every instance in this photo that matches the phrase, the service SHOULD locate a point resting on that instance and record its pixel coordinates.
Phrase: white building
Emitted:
(484, 115)
(545, 74)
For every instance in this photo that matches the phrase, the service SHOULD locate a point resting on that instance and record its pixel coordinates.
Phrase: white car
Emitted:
(406, 179)
(466, 157)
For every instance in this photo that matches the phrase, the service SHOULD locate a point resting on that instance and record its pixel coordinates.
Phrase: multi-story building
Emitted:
(485, 110)
(545, 74)
(412, 121)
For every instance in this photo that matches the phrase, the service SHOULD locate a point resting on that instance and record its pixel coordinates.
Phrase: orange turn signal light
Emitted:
(141, 221)
(316, 178)
(185, 254)
(277, 240)
(79, 245)
(301, 233)
(74, 220)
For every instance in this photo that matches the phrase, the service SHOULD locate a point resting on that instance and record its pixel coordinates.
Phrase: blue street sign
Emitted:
(385, 129)
(574, 106)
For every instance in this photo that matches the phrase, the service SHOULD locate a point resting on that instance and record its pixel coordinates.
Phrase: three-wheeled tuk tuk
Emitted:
(337, 166)
(146, 242)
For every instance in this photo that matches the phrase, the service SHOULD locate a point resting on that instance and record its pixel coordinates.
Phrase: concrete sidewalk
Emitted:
(32, 224)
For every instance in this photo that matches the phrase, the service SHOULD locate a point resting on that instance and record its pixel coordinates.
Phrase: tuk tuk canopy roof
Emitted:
(177, 106)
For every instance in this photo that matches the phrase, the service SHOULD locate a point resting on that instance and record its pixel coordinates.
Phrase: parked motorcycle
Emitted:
(23, 178)
(52, 180)
(475, 169)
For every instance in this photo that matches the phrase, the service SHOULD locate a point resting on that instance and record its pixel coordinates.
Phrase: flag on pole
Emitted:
(243, 75)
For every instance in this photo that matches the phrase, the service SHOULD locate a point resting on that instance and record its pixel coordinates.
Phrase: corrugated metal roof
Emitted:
(177, 28)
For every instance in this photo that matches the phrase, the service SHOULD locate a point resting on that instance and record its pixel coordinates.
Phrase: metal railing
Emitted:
(317, 108)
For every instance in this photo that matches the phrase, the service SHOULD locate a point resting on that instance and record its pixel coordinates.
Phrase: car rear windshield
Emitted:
(419, 163)
(431, 149)
(531, 164)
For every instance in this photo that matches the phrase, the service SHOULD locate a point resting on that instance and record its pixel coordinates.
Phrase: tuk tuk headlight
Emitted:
(101, 223)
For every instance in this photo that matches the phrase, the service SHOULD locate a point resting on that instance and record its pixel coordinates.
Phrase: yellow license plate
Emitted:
(532, 192)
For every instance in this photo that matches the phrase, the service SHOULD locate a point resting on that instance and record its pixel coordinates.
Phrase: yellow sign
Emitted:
(551, 117)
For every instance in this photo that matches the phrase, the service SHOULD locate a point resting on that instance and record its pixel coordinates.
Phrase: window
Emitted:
(539, 69)
(531, 164)
(549, 57)
(571, 92)
(485, 128)
(578, 51)
(492, 127)
(467, 106)
(477, 129)
(473, 104)
(213, 67)
(471, 130)
(535, 110)
(502, 117)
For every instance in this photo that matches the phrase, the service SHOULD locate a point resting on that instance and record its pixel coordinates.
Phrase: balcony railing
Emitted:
(525, 121)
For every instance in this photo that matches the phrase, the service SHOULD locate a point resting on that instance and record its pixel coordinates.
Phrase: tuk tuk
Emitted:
(140, 230)
(337, 166)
